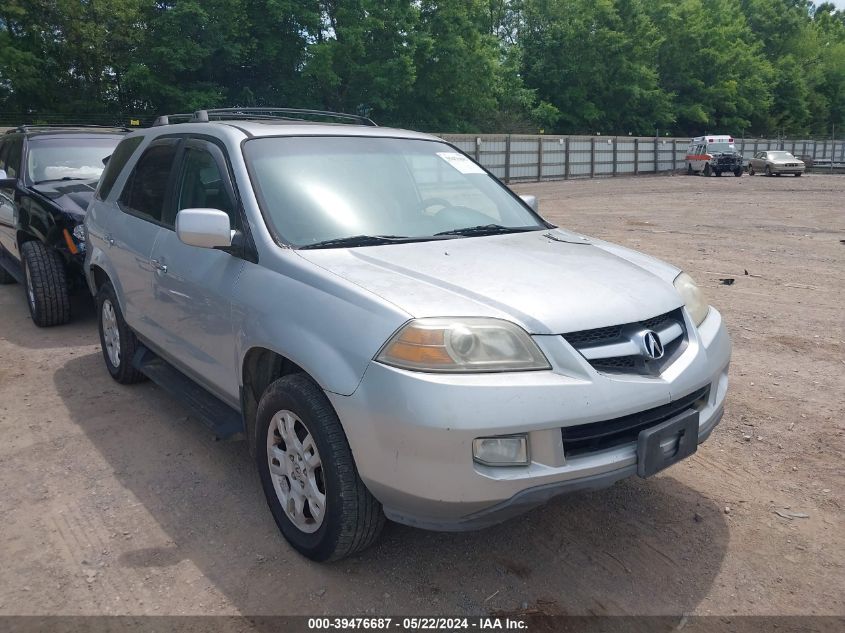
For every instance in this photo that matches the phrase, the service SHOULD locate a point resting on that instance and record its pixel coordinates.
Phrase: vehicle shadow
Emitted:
(644, 547)
(19, 329)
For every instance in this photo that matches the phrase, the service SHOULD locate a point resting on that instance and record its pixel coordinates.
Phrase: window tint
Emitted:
(202, 185)
(115, 164)
(13, 157)
(144, 192)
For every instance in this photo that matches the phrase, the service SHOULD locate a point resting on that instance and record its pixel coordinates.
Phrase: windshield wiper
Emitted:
(370, 240)
(490, 229)
(41, 182)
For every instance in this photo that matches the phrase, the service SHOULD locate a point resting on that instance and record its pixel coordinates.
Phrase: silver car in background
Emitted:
(775, 163)
(393, 331)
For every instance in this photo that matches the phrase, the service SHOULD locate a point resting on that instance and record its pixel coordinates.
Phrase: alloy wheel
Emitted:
(296, 471)
(111, 333)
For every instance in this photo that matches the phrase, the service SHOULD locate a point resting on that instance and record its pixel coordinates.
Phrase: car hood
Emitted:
(550, 282)
(71, 196)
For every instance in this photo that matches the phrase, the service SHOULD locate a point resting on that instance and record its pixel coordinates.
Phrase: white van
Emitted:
(713, 154)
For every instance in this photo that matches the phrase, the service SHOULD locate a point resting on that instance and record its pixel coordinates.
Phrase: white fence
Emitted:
(514, 157)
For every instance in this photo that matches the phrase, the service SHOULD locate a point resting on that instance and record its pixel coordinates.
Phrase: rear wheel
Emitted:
(308, 473)
(751, 171)
(116, 339)
(707, 170)
(46, 284)
(718, 173)
(798, 175)
(689, 169)
(768, 171)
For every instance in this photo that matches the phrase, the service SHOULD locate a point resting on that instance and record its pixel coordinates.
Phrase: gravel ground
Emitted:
(113, 501)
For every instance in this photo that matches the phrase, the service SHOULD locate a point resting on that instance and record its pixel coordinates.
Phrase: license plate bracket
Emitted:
(667, 443)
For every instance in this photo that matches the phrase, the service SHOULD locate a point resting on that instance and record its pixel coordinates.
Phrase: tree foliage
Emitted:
(607, 66)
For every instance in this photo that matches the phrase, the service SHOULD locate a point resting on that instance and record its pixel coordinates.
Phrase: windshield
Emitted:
(338, 189)
(716, 148)
(68, 158)
(786, 155)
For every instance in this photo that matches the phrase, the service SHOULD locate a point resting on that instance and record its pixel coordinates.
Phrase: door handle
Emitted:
(110, 239)
(159, 266)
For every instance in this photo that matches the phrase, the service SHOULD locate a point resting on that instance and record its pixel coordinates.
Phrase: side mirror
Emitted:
(531, 201)
(5, 181)
(204, 228)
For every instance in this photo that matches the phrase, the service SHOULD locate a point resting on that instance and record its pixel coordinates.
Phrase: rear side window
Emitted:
(117, 161)
(145, 190)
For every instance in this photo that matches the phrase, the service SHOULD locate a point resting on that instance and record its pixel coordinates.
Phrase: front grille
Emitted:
(611, 335)
(597, 436)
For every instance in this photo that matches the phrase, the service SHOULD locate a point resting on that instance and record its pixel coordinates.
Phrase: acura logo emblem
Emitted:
(652, 347)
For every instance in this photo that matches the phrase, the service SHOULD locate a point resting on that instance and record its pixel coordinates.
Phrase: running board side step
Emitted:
(224, 422)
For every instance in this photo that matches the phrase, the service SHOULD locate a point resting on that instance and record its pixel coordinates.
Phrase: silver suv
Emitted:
(393, 331)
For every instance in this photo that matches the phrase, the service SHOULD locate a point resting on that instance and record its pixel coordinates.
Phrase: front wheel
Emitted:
(45, 282)
(689, 169)
(738, 172)
(798, 175)
(707, 170)
(308, 473)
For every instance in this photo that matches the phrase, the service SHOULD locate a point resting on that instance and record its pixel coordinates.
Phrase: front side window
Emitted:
(202, 185)
(319, 189)
(146, 187)
(12, 157)
(69, 157)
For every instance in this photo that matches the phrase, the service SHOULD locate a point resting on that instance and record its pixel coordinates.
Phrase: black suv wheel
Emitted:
(46, 284)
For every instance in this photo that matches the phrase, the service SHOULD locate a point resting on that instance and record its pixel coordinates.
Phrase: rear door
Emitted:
(193, 287)
(131, 234)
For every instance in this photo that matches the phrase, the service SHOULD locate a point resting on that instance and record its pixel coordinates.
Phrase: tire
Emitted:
(351, 518)
(689, 169)
(117, 340)
(5, 277)
(718, 173)
(45, 283)
(798, 175)
(707, 171)
(751, 171)
(768, 171)
(738, 172)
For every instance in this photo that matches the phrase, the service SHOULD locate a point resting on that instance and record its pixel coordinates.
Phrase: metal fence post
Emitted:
(615, 153)
(674, 155)
(478, 149)
(592, 157)
(566, 171)
(655, 155)
(539, 158)
(508, 158)
(636, 156)
(815, 145)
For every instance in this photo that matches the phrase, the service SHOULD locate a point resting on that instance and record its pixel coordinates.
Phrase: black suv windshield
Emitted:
(68, 158)
(715, 148)
(345, 190)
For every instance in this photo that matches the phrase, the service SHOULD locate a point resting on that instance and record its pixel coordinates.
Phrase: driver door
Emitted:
(192, 286)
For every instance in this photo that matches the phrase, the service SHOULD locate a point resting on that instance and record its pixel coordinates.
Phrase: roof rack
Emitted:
(267, 113)
(65, 126)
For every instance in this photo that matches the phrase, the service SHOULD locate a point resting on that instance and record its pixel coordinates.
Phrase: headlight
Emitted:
(79, 232)
(462, 346)
(696, 304)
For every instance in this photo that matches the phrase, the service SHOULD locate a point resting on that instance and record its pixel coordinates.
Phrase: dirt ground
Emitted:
(113, 501)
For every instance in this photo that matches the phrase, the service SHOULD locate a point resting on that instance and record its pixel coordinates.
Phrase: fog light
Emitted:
(505, 450)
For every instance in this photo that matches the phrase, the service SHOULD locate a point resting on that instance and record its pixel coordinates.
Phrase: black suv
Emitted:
(47, 177)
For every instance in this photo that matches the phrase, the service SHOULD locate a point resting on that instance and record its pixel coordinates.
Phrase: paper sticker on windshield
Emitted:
(460, 162)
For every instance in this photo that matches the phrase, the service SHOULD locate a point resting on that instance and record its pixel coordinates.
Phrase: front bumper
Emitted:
(783, 169)
(411, 433)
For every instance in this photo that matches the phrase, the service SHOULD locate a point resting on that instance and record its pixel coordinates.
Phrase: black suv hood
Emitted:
(71, 196)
